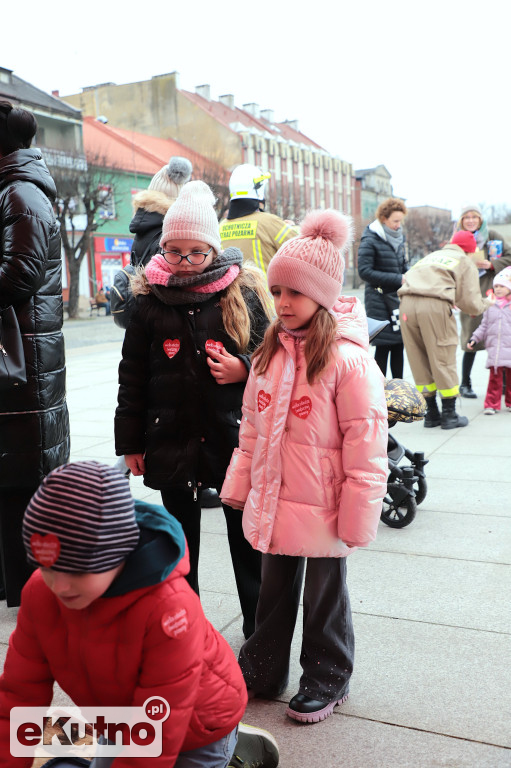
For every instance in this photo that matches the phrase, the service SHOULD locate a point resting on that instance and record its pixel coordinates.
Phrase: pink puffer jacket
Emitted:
(311, 467)
(495, 331)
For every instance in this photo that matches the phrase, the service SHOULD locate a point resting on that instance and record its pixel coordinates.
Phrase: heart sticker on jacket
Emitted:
(263, 400)
(301, 407)
(213, 346)
(171, 347)
(45, 549)
(174, 624)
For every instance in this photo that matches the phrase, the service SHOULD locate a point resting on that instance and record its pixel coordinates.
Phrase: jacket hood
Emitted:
(160, 551)
(27, 165)
(146, 202)
(377, 227)
(351, 321)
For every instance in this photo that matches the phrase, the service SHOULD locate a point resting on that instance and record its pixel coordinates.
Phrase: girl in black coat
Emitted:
(34, 422)
(186, 356)
(381, 264)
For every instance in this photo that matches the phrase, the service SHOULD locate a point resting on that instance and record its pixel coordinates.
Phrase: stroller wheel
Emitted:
(420, 487)
(398, 514)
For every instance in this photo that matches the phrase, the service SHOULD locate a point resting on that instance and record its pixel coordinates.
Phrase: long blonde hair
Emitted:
(235, 313)
(318, 344)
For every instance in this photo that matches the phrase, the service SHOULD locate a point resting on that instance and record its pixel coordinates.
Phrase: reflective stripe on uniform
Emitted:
(427, 387)
(258, 255)
(452, 392)
(282, 234)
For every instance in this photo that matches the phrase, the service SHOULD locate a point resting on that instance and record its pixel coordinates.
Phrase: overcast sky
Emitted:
(423, 88)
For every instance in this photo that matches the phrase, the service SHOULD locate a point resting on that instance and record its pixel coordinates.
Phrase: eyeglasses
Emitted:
(195, 257)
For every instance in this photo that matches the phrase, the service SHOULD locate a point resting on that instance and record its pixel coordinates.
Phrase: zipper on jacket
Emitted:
(190, 485)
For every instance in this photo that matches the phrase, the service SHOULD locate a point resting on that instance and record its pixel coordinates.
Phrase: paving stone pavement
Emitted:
(432, 678)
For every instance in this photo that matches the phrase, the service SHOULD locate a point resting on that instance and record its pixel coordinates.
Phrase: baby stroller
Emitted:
(406, 483)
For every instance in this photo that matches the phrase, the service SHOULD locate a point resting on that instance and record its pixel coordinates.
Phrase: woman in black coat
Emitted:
(34, 423)
(382, 263)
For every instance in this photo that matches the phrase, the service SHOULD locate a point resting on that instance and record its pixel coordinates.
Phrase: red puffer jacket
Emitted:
(117, 653)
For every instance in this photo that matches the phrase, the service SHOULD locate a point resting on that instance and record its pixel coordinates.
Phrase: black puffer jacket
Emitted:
(34, 423)
(146, 224)
(170, 407)
(382, 268)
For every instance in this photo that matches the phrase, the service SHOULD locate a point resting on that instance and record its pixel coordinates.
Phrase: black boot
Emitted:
(467, 391)
(466, 369)
(432, 417)
(450, 419)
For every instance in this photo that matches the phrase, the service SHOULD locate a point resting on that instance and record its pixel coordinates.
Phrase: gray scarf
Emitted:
(175, 292)
(394, 237)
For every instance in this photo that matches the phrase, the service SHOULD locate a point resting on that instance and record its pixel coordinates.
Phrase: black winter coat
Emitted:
(170, 407)
(382, 268)
(146, 225)
(34, 423)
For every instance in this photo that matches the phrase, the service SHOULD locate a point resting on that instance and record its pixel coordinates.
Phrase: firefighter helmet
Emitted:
(248, 182)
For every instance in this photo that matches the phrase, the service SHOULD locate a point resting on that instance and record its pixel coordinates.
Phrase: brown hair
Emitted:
(388, 207)
(318, 344)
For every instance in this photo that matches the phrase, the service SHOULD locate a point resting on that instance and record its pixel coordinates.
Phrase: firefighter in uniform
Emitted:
(248, 227)
(429, 292)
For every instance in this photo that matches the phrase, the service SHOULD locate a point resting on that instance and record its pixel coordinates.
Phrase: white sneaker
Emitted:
(490, 411)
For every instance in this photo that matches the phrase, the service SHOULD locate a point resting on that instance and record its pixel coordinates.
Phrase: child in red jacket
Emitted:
(109, 615)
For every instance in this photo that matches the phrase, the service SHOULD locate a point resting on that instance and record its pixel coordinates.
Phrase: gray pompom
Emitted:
(179, 170)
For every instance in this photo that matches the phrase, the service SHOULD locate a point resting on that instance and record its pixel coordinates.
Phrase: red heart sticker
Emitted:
(263, 400)
(171, 347)
(46, 549)
(301, 407)
(174, 624)
(213, 346)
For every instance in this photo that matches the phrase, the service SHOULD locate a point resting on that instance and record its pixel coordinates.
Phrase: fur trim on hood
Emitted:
(152, 201)
(139, 284)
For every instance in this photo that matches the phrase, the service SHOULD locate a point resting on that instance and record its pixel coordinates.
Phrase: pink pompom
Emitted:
(331, 225)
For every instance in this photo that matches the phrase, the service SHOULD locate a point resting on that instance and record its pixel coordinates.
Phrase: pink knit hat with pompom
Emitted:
(312, 263)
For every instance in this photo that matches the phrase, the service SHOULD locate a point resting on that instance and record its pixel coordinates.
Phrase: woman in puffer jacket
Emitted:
(310, 470)
(152, 204)
(382, 263)
(34, 422)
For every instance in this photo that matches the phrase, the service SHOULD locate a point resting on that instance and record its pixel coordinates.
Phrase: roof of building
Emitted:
(127, 150)
(19, 92)
(239, 120)
(359, 173)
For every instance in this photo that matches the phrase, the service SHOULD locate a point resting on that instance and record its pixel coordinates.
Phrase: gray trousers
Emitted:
(328, 642)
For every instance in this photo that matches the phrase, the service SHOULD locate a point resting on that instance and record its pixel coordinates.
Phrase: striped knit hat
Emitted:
(193, 217)
(81, 519)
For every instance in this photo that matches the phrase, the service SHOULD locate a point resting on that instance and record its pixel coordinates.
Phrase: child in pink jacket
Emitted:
(311, 468)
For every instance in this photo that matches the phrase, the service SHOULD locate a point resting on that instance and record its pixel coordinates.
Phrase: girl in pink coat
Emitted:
(311, 467)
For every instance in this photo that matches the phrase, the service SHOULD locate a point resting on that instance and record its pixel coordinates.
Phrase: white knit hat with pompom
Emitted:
(313, 262)
(171, 177)
(193, 217)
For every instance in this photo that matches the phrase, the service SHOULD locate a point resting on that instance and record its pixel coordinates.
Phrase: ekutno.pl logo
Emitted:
(89, 731)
